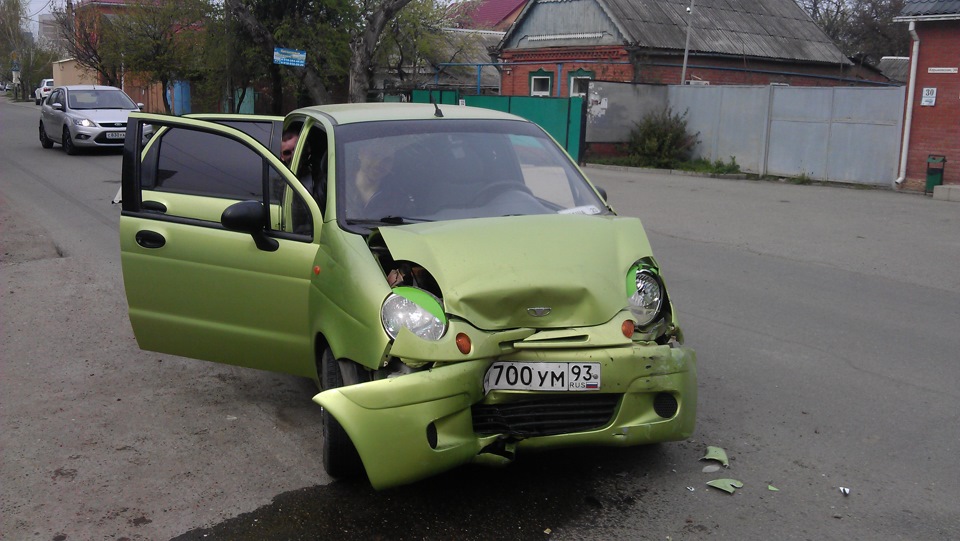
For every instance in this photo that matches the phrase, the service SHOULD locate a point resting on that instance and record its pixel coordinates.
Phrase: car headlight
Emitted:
(85, 122)
(417, 310)
(645, 294)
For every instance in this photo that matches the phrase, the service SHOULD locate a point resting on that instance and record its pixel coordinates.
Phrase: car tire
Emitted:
(67, 143)
(340, 457)
(36, 101)
(45, 141)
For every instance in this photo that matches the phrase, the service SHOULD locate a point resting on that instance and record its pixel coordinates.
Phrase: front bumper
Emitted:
(97, 137)
(417, 425)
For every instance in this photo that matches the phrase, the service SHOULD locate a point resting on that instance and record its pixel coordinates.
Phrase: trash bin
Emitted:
(935, 165)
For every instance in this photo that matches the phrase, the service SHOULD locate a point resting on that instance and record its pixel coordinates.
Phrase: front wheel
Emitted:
(45, 141)
(67, 143)
(340, 458)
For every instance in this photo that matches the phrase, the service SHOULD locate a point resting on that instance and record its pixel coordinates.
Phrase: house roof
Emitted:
(929, 9)
(777, 29)
(895, 68)
(490, 13)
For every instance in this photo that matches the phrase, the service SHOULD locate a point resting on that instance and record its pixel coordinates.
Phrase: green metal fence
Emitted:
(562, 118)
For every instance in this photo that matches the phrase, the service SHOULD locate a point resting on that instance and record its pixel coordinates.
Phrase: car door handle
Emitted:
(150, 239)
(154, 206)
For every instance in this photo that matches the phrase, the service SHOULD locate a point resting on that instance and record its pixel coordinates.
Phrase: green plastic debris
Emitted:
(718, 454)
(773, 488)
(726, 485)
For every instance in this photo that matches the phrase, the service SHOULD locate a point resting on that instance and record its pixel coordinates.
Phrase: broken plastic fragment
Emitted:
(718, 454)
(773, 488)
(726, 485)
(845, 491)
(710, 468)
(691, 489)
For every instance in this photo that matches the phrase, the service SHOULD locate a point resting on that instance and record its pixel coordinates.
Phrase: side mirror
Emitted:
(249, 217)
(140, 106)
(58, 106)
(602, 192)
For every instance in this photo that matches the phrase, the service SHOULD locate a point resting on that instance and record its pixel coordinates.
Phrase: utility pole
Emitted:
(686, 48)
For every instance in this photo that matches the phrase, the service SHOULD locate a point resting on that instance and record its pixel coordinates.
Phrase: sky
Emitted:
(36, 7)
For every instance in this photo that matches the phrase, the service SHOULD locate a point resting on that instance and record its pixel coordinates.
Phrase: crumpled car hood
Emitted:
(501, 273)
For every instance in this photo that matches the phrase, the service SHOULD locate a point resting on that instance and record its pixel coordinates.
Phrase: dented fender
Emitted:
(397, 414)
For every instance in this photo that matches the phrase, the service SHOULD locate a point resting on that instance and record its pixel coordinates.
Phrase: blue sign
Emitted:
(289, 57)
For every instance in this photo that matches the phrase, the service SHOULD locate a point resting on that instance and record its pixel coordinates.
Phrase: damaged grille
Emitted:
(545, 415)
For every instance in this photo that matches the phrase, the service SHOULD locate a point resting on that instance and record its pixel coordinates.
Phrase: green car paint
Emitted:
(492, 270)
(542, 288)
(396, 414)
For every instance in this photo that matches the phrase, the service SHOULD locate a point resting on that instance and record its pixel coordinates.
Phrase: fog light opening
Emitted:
(432, 435)
(463, 343)
(665, 405)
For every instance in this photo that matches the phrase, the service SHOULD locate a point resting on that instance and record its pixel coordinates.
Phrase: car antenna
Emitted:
(437, 113)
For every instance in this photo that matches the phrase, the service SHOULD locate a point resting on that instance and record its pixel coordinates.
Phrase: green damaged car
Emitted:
(447, 275)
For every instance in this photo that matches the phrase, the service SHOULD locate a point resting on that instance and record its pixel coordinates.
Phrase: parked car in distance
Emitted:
(447, 275)
(78, 116)
(43, 91)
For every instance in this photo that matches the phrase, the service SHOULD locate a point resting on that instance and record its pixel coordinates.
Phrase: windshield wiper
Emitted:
(390, 220)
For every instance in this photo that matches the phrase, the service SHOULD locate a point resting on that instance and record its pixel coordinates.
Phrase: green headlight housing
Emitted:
(645, 293)
(415, 309)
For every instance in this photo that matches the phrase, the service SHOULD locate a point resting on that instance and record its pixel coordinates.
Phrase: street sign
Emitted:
(289, 57)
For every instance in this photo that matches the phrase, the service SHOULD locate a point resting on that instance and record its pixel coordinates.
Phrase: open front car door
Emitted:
(217, 246)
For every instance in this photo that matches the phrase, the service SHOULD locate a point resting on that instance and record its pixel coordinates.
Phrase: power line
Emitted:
(45, 6)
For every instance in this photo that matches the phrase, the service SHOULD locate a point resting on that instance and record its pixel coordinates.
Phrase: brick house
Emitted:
(556, 46)
(932, 113)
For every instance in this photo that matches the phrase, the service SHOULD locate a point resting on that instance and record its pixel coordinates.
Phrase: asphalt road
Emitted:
(825, 320)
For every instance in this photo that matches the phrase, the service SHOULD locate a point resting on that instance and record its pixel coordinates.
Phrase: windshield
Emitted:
(428, 170)
(99, 99)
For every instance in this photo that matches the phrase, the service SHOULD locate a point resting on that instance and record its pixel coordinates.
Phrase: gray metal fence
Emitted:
(845, 134)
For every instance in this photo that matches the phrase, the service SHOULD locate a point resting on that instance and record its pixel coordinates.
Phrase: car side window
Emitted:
(214, 171)
(201, 163)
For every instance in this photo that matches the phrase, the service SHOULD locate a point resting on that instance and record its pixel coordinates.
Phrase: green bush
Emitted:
(661, 140)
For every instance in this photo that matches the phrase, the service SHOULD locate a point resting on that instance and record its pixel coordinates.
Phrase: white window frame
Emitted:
(534, 92)
(573, 80)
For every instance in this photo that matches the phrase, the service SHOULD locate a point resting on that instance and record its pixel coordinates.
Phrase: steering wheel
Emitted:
(496, 188)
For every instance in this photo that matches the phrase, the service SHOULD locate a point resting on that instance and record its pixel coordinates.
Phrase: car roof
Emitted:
(350, 113)
(89, 87)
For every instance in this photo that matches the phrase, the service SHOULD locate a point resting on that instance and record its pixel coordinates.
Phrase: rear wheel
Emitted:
(67, 142)
(340, 458)
(45, 141)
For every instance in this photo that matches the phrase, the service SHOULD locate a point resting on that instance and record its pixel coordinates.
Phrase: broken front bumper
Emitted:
(417, 425)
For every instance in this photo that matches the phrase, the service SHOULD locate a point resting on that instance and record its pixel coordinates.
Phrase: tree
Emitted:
(89, 41)
(418, 40)
(376, 15)
(863, 29)
(17, 44)
(323, 29)
(873, 33)
(161, 41)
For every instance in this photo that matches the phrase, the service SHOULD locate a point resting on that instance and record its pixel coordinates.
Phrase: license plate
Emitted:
(542, 376)
(116, 135)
